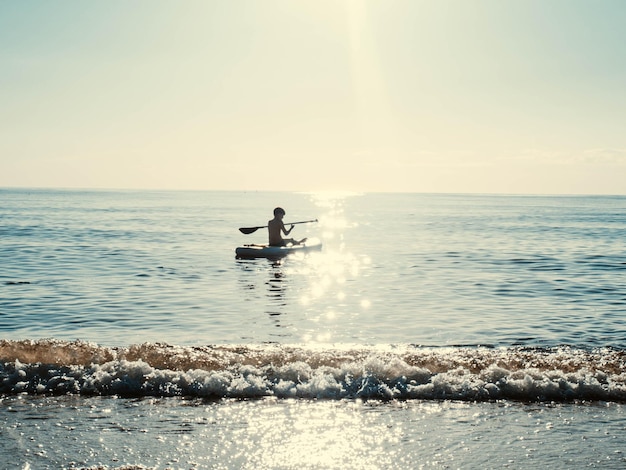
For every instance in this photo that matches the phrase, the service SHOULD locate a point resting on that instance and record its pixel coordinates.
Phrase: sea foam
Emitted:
(252, 371)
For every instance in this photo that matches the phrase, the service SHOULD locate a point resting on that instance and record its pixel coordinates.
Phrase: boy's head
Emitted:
(279, 211)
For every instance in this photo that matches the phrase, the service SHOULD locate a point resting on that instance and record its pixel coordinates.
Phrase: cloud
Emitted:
(604, 156)
(597, 156)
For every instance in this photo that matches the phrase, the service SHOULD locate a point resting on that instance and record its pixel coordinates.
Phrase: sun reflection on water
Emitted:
(310, 439)
(330, 272)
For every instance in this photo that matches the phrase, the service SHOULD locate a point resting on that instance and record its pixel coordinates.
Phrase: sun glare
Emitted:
(330, 271)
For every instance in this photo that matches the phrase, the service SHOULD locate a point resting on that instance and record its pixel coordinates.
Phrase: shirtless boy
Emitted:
(276, 226)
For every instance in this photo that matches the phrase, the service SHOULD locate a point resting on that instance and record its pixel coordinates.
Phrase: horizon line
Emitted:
(306, 191)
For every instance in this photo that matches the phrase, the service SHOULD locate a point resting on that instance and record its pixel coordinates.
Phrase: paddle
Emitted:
(249, 230)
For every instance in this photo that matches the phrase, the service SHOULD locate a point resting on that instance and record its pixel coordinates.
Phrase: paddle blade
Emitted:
(248, 230)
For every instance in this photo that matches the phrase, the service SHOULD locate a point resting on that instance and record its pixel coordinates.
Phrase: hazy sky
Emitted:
(509, 96)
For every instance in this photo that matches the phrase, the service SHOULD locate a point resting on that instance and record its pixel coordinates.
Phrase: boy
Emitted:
(276, 226)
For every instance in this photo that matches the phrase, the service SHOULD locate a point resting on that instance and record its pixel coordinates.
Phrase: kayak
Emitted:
(266, 251)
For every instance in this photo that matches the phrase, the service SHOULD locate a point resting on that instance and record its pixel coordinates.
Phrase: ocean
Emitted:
(431, 331)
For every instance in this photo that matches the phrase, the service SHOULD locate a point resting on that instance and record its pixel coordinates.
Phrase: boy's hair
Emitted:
(279, 210)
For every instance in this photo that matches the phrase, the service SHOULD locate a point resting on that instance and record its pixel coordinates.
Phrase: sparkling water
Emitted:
(435, 331)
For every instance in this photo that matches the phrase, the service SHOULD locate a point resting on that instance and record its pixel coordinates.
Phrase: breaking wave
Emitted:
(351, 372)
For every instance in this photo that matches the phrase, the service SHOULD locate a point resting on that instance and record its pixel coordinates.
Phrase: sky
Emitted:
(453, 96)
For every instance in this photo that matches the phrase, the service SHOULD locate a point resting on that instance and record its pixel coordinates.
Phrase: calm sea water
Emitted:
(435, 331)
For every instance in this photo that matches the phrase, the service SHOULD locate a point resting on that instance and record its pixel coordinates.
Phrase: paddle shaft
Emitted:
(249, 230)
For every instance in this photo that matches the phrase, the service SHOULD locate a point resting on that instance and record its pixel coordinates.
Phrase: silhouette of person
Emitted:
(276, 228)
